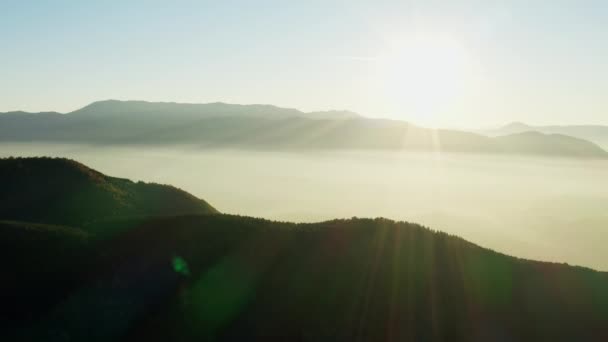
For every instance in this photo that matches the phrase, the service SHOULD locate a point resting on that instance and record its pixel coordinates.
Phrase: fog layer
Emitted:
(539, 208)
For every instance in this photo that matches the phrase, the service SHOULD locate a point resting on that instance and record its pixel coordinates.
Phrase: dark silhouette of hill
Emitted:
(62, 191)
(264, 127)
(41, 262)
(595, 133)
(232, 278)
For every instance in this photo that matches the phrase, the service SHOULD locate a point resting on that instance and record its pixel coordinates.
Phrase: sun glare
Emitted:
(424, 76)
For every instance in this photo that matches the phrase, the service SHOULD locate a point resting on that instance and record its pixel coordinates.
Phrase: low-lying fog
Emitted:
(546, 209)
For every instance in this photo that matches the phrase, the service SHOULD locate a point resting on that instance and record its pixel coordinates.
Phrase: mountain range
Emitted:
(594, 133)
(220, 125)
(173, 268)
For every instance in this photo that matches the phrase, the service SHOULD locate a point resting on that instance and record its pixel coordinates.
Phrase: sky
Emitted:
(438, 63)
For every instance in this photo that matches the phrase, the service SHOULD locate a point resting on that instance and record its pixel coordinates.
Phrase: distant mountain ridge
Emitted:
(204, 110)
(267, 127)
(20, 112)
(594, 133)
(549, 144)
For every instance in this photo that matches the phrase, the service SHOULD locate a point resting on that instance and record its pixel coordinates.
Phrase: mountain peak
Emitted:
(67, 168)
(517, 125)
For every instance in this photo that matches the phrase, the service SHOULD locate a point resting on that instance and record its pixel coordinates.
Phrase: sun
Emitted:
(423, 76)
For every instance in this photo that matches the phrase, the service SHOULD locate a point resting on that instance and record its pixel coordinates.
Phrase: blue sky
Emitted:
(541, 62)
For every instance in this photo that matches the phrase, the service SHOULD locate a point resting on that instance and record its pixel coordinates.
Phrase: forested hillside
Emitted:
(62, 191)
(231, 278)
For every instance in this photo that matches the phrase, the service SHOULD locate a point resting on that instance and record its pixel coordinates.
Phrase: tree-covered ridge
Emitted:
(62, 191)
(232, 278)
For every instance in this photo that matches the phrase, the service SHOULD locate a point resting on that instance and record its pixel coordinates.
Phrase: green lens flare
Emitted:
(180, 266)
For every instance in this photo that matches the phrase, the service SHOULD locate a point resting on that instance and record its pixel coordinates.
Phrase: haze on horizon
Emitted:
(459, 64)
(542, 208)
